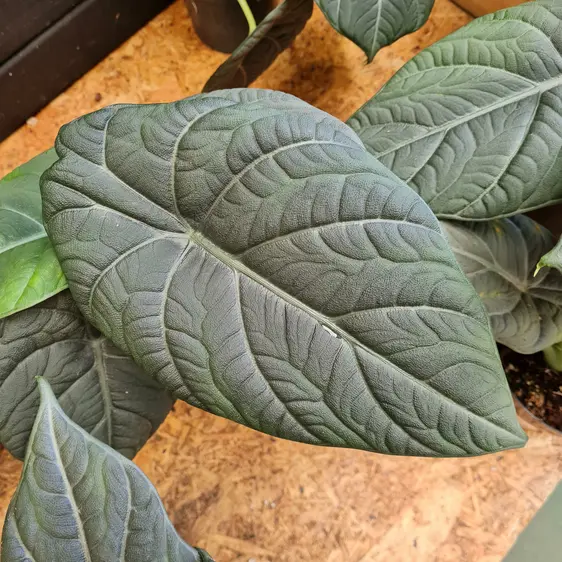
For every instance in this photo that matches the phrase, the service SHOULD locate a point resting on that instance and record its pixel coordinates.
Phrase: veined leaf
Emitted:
(249, 253)
(499, 258)
(474, 123)
(374, 24)
(29, 270)
(80, 500)
(256, 53)
(98, 386)
(553, 258)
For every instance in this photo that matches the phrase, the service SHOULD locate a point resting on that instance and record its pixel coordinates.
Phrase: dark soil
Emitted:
(538, 387)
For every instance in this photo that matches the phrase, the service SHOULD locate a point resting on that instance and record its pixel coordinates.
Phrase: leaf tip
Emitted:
(45, 391)
(540, 265)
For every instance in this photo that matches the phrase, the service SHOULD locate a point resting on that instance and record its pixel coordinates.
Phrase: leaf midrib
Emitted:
(69, 490)
(539, 88)
(99, 362)
(22, 242)
(372, 50)
(493, 267)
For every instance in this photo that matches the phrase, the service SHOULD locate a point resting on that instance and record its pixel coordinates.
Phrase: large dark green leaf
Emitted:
(499, 258)
(254, 55)
(79, 500)
(248, 252)
(373, 24)
(474, 122)
(29, 269)
(99, 387)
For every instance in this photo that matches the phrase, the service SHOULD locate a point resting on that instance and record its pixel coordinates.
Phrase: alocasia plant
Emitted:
(371, 24)
(29, 270)
(80, 500)
(249, 254)
(99, 387)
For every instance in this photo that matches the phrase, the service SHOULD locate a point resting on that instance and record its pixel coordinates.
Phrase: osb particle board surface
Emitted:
(245, 496)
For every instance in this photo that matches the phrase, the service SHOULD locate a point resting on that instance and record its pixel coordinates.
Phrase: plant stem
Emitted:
(553, 356)
(249, 16)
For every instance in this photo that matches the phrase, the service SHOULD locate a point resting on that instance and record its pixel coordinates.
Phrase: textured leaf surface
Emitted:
(252, 256)
(373, 24)
(553, 258)
(29, 269)
(256, 53)
(474, 123)
(99, 387)
(499, 258)
(79, 500)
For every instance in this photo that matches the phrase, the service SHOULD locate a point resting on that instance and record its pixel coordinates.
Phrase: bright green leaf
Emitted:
(249, 253)
(474, 122)
(99, 387)
(29, 269)
(256, 53)
(79, 500)
(374, 24)
(499, 258)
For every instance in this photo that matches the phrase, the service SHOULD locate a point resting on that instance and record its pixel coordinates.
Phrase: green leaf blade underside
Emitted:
(499, 258)
(80, 500)
(375, 24)
(29, 269)
(553, 258)
(474, 122)
(248, 252)
(98, 386)
(258, 51)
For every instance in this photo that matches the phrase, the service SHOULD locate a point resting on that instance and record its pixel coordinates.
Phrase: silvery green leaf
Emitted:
(98, 386)
(29, 270)
(248, 253)
(553, 258)
(499, 258)
(374, 24)
(474, 122)
(79, 500)
(258, 51)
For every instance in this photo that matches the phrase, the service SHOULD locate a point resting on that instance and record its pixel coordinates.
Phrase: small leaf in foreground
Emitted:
(29, 269)
(98, 386)
(80, 500)
(473, 123)
(374, 24)
(499, 258)
(248, 252)
(258, 51)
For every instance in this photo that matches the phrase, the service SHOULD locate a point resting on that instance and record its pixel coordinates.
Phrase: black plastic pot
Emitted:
(221, 24)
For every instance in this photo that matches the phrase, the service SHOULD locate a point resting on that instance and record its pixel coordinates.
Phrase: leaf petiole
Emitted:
(249, 16)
